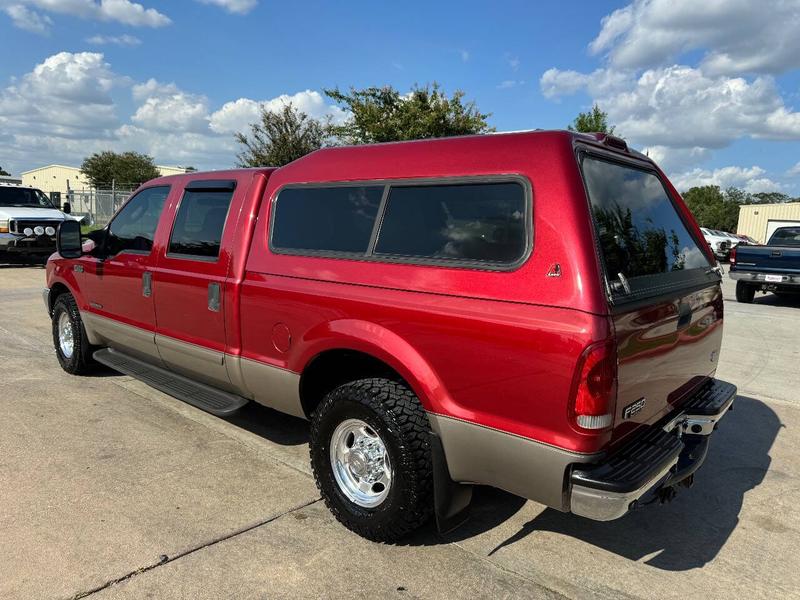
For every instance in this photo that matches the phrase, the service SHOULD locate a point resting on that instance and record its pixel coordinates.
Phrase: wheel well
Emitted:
(57, 290)
(332, 368)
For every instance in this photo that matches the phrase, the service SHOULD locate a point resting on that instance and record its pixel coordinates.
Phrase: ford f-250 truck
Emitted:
(771, 268)
(532, 311)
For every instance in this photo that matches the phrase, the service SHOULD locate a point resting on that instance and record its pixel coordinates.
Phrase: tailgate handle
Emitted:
(684, 315)
(776, 253)
(213, 297)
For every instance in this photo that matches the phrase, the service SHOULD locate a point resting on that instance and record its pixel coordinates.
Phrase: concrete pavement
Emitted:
(111, 489)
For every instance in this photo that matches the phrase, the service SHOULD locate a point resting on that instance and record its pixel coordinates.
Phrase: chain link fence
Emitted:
(98, 205)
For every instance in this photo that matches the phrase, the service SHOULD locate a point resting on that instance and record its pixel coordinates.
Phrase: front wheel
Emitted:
(371, 457)
(744, 292)
(69, 337)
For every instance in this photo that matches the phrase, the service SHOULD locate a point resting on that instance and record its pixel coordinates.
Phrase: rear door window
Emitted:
(645, 245)
(474, 222)
(199, 223)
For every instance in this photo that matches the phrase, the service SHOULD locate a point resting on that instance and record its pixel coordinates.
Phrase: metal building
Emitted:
(760, 220)
(61, 178)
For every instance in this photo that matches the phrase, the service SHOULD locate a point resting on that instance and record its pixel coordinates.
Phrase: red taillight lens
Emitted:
(595, 388)
(732, 256)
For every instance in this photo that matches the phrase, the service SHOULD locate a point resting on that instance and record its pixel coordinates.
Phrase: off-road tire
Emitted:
(745, 292)
(394, 412)
(81, 361)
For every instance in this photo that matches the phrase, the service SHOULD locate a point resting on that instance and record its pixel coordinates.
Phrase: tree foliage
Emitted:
(280, 137)
(593, 121)
(383, 114)
(126, 168)
(718, 209)
(4, 173)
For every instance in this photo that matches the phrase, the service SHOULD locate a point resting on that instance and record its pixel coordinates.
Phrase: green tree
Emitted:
(279, 137)
(126, 168)
(4, 173)
(770, 198)
(714, 209)
(593, 121)
(383, 114)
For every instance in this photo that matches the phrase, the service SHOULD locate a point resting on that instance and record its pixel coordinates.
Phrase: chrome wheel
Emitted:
(66, 341)
(360, 463)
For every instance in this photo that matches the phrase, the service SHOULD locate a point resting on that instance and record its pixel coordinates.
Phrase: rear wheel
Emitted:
(69, 337)
(370, 452)
(745, 292)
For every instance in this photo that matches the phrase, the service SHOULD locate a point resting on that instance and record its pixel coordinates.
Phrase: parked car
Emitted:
(720, 244)
(532, 311)
(771, 268)
(746, 239)
(28, 221)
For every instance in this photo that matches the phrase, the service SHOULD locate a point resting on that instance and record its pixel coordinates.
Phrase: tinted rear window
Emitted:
(785, 236)
(468, 222)
(640, 231)
(332, 219)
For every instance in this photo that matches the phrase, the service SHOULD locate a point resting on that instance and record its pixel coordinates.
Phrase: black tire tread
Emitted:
(402, 407)
(81, 362)
(745, 293)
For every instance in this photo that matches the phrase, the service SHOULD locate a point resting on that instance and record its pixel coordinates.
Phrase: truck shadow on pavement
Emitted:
(685, 534)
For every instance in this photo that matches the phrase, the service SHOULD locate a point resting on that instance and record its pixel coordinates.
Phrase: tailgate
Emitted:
(665, 297)
(783, 259)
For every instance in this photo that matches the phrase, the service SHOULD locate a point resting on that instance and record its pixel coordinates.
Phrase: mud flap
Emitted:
(451, 500)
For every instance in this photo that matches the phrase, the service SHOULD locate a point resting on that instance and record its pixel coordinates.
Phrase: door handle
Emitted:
(684, 315)
(147, 284)
(213, 297)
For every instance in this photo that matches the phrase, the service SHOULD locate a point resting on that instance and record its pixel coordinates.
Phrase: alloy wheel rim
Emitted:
(66, 340)
(360, 463)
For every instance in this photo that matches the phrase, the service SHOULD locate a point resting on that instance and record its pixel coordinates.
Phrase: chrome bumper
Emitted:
(758, 277)
(692, 426)
(46, 299)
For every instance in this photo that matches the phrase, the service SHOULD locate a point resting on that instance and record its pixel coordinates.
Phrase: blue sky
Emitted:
(709, 89)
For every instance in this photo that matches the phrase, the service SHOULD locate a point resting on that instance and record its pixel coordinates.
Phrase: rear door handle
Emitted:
(684, 315)
(147, 284)
(213, 297)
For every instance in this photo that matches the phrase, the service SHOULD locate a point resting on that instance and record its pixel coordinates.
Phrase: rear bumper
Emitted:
(653, 464)
(760, 277)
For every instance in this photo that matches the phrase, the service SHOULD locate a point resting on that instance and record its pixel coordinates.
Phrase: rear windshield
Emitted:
(785, 236)
(644, 243)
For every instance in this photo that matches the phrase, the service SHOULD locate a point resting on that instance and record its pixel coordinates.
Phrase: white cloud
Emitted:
(464, 55)
(737, 36)
(116, 40)
(751, 179)
(29, 20)
(513, 62)
(507, 84)
(64, 109)
(120, 11)
(680, 107)
(234, 6)
(794, 171)
(677, 159)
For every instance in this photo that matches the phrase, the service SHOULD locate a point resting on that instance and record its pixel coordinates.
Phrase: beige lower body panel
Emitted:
(102, 331)
(524, 467)
(272, 386)
(191, 360)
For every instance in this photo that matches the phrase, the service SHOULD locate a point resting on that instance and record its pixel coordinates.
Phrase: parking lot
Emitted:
(109, 488)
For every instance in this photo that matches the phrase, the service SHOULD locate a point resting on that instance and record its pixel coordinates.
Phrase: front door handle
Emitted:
(213, 297)
(147, 284)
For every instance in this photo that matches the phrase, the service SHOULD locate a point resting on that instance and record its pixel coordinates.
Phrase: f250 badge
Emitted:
(633, 408)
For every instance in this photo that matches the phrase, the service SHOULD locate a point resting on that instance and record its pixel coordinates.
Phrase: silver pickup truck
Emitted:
(771, 268)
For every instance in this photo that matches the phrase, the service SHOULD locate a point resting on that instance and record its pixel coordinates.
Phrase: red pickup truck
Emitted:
(533, 311)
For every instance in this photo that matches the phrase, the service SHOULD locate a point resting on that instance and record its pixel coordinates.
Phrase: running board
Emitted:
(202, 396)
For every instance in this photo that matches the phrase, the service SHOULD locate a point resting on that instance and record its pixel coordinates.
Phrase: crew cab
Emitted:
(28, 221)
(771, 268)
(534, 311)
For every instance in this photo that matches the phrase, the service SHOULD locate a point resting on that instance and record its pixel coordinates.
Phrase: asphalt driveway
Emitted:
(111, 489)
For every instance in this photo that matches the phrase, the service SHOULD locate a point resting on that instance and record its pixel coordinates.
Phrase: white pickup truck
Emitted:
(28, 221)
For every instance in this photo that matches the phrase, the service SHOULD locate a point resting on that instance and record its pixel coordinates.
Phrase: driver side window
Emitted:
(134, 227)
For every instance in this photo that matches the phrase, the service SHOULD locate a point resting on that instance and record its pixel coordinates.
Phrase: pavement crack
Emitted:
(165, 559)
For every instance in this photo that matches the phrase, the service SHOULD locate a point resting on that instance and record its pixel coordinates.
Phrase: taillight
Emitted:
(732, 256)
(594, 395)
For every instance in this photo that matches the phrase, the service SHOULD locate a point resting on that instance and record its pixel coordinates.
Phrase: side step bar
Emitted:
(197, 394)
